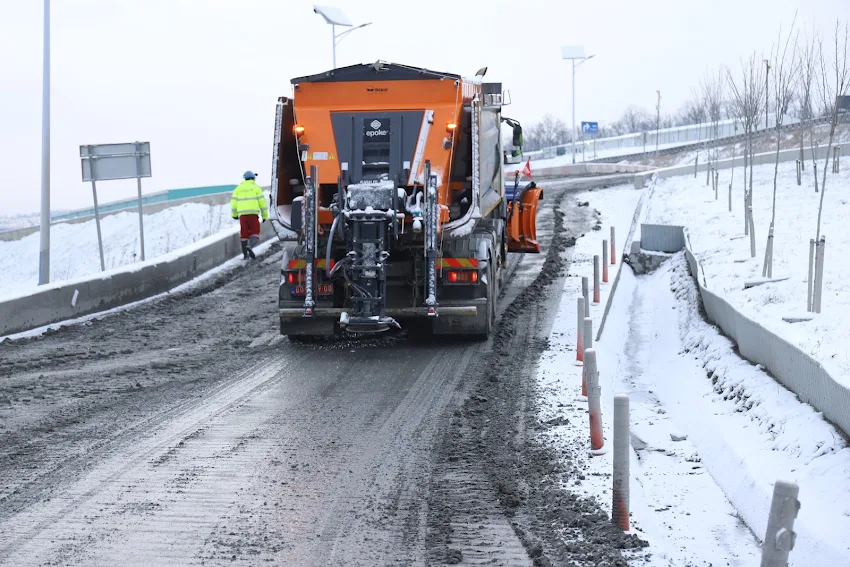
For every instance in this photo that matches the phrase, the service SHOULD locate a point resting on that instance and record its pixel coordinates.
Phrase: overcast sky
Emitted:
(199, 78)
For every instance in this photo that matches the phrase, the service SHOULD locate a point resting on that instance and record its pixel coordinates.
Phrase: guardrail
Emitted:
(66, 300)
(793, 367)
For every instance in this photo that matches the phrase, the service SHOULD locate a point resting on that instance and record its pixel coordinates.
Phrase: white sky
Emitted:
(199, 78)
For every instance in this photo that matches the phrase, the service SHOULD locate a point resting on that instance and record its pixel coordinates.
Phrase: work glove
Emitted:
(264, 220)
(235, 218)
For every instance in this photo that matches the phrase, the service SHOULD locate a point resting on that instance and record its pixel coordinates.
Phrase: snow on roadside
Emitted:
(702, 500)
(74, 252)
(718, 241)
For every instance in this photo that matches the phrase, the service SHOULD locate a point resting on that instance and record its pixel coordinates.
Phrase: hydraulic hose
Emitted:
(330, 242)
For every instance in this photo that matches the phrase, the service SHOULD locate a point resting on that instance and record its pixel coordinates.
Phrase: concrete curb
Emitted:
(790, 365)
(68, 300)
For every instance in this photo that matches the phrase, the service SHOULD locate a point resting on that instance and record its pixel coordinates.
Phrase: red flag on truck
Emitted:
(527, 169)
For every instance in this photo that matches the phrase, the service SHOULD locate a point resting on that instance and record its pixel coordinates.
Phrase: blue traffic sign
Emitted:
(590, 127)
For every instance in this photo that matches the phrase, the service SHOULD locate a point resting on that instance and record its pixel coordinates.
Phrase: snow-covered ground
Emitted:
(589, 155)
(18, 221)
(74, 252)
(717, 237)
(703, 500)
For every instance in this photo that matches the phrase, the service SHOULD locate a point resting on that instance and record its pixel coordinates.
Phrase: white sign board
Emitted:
(105, 162)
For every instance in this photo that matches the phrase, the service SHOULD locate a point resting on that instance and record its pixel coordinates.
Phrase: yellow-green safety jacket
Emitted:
(248, 199)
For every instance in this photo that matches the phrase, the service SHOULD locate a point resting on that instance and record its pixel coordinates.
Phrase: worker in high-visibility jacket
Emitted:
(248, 204)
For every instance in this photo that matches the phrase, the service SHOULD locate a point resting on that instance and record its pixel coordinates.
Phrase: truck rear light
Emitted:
(462, 276)
(295, 277)
(450, 127)
(298, 129)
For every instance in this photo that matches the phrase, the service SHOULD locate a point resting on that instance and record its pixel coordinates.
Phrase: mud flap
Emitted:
(522, 221)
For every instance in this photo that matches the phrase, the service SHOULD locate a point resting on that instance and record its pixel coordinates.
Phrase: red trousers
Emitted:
(249, 225)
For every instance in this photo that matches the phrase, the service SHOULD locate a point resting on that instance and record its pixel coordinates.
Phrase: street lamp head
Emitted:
(332, 15)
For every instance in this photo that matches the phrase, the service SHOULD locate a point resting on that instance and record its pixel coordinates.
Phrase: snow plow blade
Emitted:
(522, 218)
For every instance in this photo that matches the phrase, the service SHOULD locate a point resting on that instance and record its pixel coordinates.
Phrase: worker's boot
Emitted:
(245, 249)
(253, 241)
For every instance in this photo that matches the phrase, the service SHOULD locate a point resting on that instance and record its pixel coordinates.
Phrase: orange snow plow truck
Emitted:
(393, 179)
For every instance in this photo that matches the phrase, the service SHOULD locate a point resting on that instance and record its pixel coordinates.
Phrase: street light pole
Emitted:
(573, 131)
(333, 38)
(340, 37)
(44, 246)
(657, 120)
(766, 91)
(572, 53)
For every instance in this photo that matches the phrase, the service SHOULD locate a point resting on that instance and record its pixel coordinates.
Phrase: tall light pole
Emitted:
(44, 247)
(657, 120)
(335, 17)
(766, 91)
(573, 53)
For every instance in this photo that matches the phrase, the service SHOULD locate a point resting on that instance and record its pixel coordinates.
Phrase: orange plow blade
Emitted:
(522, 221)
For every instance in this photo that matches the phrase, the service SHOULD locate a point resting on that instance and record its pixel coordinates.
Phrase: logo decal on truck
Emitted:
(375, 124)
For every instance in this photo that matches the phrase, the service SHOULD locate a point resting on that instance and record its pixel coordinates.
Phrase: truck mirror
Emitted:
(517, 141)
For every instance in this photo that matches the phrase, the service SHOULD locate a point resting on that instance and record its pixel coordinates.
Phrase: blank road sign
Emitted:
(572, 52)
(103, 162)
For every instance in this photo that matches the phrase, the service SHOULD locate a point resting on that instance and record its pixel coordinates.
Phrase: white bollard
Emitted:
(613, 248)
(716, 185)
(809, 301)
(587, 325)
(594, 403)
(780, 536)
(620, 503)
(819, 258)
(730, 197)
(605, 261)
(580, 330)
(586, 294)
(596, 278)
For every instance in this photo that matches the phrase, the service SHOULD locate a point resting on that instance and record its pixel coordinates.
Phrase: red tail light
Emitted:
(295, 277)
(466, 276)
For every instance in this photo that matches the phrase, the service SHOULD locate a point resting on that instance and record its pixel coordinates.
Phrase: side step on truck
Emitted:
(393, 179)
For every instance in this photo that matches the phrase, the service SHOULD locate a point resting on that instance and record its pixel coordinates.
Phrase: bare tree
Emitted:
(808, 69)
(749, 97)
(785, 71)
(712, 89)
(833, 83)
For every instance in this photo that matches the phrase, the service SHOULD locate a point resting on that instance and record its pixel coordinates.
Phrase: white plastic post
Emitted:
(587, 324)
(596, 278)
(730, 196)
(605, 261)
(696, 166)
(620, 503)
(809, 301)
(613, 249)
(746, 214)
(799, 174)
(780, 536)
(819, 277)
(594, 402)
(752, 233)
(716, 185)
(580, 330)
(586, 294)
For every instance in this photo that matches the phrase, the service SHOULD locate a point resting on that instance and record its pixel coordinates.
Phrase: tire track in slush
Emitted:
(70, 520)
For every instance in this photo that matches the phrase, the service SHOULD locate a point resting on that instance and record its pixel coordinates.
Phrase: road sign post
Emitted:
(105, 162)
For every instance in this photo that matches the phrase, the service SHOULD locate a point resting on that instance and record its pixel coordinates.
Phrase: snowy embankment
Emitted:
(701, 500)
(74, 251)
(717, 239)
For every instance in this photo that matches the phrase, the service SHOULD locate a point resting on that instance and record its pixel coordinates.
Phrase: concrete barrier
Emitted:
(738, 161)
(790, 365)
(61, 301)
(584, 169)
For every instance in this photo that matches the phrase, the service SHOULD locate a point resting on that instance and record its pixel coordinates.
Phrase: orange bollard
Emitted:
(579, 330)
(596, 278)
(613, 253)
(587, 332)
(605, 261)
(594, 403)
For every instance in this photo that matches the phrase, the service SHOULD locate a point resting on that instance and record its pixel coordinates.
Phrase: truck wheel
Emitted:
(492, 297)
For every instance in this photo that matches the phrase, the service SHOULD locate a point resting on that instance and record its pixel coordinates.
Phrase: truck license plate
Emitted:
(321, 289)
